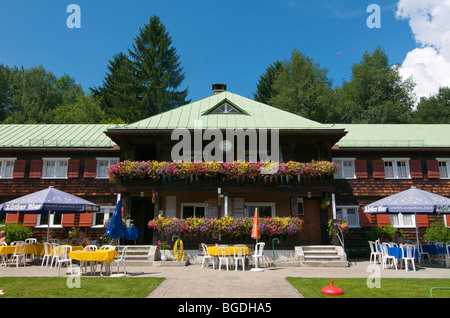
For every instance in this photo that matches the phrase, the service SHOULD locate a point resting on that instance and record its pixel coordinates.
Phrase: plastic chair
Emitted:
(121, 259)
(63, 253)
(48, 255)
(108, 247)
(31, 241)
(374, 253)
(93, 265)
(224, 255)
(422, 253)
(259, 253)
(239, 255)
(206, 256)
(386, 257)
(55, 255)
(19, 255)
(56, 241)
(408, 255)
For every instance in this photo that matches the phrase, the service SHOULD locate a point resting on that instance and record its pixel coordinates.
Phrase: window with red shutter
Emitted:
(12, 217)
(90, 168)
(383, 219)
(73, 168)
(19, 169)
(361, 169)
(422, 220)
(415, 167)
(29, 219)
(433, 169)
(378, 168)
(365, 219)
(36, 169)
(68, 219)
(85, 220)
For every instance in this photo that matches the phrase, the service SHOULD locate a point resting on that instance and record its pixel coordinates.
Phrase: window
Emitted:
(225, 108)
(444, 168)
(190, 210)
(265, 209)
(103, 164)
(396, 168)
(346, 168)
(6, 168)
(349, 214)
(43, 221)
(55, 168)
(99, 219)
(403, 220)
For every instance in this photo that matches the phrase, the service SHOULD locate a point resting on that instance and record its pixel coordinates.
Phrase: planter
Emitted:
(163, 256)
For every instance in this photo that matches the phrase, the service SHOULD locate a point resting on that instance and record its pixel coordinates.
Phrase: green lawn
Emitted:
(90, 287)
(357, 287)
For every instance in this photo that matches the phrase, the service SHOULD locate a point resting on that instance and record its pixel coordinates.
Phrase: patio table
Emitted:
(214, 251)
(34, 249)
(434, 250)
(106, 256)
(398, 252)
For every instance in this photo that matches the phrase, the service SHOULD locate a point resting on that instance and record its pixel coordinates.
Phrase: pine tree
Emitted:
(264, 88)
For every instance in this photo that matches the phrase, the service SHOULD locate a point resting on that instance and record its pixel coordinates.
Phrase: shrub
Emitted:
(16, 232)
(437, 232)
(389, 230)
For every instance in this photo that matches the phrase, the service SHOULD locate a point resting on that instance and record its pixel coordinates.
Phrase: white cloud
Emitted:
(429, 64)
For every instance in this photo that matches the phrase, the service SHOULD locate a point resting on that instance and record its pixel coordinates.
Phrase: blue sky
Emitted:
(229, 41)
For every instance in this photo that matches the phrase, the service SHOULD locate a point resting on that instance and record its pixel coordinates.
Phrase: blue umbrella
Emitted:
(115, 226)
(412, 200)
(47, 201)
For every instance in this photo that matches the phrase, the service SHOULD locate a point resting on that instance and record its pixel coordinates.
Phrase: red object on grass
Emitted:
(331, 290)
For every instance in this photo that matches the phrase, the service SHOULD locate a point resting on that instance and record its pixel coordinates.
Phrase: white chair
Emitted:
(408, 255)
(121, 259)
(56, 241)
(55, 256)
(3, 256)
(107, 247)
(422, 254)
(48, 254)
(386, 257)
(374, 253)
(224, 255)
(239, 255)
(206, 257)
(93, 265)
(19, 255)
(259, 254)
(31, 241)
(63, 256)
(17, 242)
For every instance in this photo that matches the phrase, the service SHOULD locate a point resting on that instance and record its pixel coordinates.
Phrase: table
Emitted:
(35, 249)
(398, 252)
(106, 256)
(434, 249)
(131, 233)
(214, 251)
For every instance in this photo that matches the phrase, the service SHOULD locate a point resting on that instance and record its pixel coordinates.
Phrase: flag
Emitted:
(255, 231)
(115, 226)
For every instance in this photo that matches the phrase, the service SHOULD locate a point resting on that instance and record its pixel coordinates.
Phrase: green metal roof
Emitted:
(254, 115)
(49, 135)
(388, 135)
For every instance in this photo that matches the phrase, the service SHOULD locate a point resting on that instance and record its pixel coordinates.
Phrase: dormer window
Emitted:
(225, 107)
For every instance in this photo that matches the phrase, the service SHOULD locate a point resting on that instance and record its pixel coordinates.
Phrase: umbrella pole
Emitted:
(417, 230)
(48, 224)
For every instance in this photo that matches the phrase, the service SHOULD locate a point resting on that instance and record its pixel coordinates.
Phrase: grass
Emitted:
(90, 287)
(358, 287)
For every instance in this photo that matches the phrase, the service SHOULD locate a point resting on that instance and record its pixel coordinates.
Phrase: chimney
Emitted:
(219, 88)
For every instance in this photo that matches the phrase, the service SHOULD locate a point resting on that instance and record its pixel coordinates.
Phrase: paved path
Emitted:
(193, 282)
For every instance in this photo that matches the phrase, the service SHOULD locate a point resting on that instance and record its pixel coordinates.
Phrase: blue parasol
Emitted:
(115, 226)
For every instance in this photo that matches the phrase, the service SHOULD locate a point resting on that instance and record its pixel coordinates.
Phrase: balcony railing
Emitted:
(156, 172)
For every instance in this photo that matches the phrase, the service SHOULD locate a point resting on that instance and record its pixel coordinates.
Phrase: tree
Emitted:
(300, 86)
(264, 88)
(376, 93)
(434, 109)
(157, 70)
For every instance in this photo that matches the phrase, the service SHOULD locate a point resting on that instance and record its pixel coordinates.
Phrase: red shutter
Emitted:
(365, 219)
(433, 169)
(12, 217)
(29, 219)
(68, 219)
(85, 219)
(447, 219)
(90, 168)
(383, 219)
(378, 168)
(19, 169)
(361, 169)
(422, 220)
(73, 169)
(36, 169)
(415, 167)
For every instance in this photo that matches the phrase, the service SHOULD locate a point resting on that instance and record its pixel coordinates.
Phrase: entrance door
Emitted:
(311, 232)
(141, 213)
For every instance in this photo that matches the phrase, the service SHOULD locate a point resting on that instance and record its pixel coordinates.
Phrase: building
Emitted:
(374, 161)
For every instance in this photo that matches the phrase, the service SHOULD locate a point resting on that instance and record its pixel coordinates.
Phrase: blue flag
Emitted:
(115, 226)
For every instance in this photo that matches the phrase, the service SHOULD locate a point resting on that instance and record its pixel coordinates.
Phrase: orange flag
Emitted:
(255, 231)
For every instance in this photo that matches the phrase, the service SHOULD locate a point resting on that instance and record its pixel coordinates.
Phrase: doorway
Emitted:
(141, 213)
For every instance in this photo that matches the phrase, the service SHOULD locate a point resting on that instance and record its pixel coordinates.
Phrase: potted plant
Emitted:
(162, 245)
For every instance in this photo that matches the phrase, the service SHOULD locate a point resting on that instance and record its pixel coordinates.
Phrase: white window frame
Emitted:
(247, 204)
(395, 162)
(107, 211)
(344, 216)
(110, 161)
(3, 167)
(56, 160)
(340, 173)
(401, 221)
(195, 205)
(447, 166)
(51, 221)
